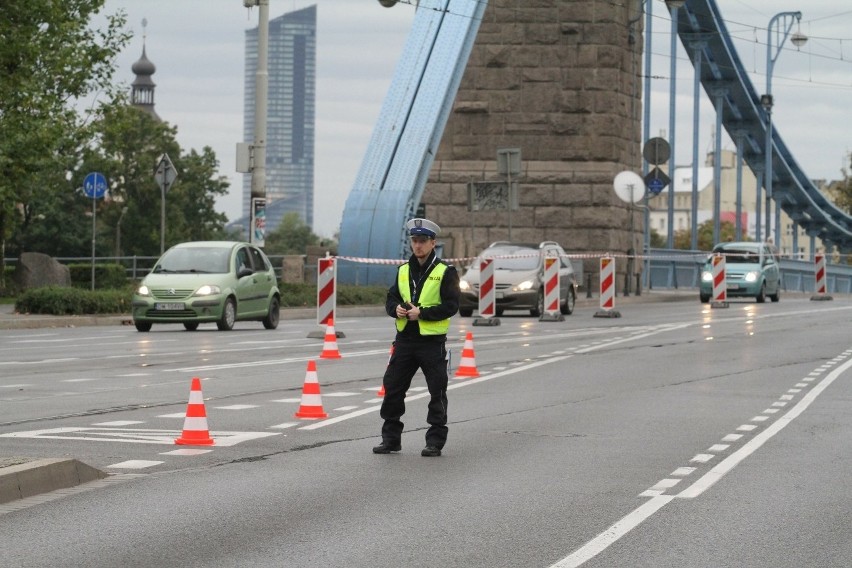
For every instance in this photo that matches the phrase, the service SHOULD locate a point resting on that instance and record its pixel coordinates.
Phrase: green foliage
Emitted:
(657, 240)
(292, 236)
(50, 59)
(727, 232)
(305, 295)
(361, 295)
(107, 276)
(73, 301)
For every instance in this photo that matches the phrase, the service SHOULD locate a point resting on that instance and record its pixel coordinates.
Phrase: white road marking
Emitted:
(186, 452)
(657, 502)
(119, 423)
(134, 435)
(732, 437)
(718, 448)
(729, 463)
(135, 464)
(613, 533)
(236, 407)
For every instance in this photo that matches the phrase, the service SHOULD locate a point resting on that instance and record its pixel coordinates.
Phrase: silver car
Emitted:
(519, 278)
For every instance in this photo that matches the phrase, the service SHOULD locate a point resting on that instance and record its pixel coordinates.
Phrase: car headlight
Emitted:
(525, 285)
(463, 285)
(751, 276)
(207, 290)
(707, 276)
(143, 291)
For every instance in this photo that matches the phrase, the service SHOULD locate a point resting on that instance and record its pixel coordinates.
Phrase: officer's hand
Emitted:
(401, 312)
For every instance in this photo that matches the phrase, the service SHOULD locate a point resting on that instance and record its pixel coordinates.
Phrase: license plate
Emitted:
(733, 286)
(498, 295)
(169, 306)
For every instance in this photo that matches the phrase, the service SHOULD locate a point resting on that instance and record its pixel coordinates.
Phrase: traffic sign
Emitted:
(656, 181)
(656, 151)
(94, 185)
(165, 173)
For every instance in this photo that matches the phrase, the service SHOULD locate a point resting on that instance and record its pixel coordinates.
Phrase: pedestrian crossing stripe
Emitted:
(134, 435)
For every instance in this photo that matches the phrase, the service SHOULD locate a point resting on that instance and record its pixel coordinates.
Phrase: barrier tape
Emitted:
(576, 256)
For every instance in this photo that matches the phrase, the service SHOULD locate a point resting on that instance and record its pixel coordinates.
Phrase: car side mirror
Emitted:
(244, 271)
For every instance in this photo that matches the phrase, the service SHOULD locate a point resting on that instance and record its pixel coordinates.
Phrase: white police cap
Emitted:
(423, 227)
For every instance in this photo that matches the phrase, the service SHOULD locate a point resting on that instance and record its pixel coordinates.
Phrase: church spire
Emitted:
(142, 88)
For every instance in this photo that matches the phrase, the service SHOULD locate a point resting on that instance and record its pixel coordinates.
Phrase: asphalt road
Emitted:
(676, 435)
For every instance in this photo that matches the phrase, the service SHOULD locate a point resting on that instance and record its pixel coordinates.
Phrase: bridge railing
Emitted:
(676, 269)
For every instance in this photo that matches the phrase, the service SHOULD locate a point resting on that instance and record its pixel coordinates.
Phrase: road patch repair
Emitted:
(22, 477)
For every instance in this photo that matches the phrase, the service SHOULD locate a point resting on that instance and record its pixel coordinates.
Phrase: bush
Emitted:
(58, 300)
(305, 295)
(107, 276)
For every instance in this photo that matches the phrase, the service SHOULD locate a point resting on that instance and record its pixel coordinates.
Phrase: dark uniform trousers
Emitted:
(407, 357)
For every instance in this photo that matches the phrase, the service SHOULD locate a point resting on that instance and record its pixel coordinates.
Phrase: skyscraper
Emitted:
(291, 66)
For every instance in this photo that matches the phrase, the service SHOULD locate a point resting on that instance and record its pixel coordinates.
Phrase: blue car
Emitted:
(751, 270)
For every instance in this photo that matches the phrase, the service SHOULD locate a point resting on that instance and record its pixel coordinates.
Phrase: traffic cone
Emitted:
(382, 389)
(467, 365)
(195, 432)
(311, 406)
(329, 346)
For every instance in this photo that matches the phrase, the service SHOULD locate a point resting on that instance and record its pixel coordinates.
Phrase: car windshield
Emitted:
(511, 258)
(740, 255)
(206, 260)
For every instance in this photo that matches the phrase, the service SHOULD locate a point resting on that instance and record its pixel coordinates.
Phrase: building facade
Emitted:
(291, 65)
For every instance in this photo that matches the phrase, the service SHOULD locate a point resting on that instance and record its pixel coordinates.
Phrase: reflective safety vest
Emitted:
(430, 295)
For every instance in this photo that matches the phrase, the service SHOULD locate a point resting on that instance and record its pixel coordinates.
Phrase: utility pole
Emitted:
(252, 158)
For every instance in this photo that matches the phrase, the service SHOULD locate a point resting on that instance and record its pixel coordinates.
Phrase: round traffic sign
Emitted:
(656, 151)
(95, 185)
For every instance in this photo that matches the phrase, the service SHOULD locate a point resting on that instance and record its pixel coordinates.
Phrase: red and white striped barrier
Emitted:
(607, 289)
(326, 290)
(820, 287)
(551, 290)
(819, 267)
(487, 294)
(720, 286)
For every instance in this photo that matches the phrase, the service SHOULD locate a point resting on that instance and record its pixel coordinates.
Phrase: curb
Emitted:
(27, 477)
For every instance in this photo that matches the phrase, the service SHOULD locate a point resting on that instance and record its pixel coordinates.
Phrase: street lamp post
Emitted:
(780, 25)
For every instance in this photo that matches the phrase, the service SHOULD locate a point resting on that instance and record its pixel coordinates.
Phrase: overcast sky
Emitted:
(198, 46)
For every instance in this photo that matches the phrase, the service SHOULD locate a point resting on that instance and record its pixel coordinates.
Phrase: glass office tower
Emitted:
(290, 115)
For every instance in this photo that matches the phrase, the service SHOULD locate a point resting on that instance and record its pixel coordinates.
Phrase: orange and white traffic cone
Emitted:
(195, 432)
(329, 345)
(382, 389)
(311, 406)
(467, 365)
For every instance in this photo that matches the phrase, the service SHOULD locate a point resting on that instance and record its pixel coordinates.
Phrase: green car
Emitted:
(751, 270)
(208, 281)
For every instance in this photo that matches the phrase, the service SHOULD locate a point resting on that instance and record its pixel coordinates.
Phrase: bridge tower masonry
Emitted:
(561, 81)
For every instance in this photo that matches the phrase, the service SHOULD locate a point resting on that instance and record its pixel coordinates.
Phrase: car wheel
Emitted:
(761, 296)
(465, 313)
(229, 316)
(142, 326)
(273, 316)
(705, 298)
(539, 304)
(190, 326)
(568, 308)
(776, 297)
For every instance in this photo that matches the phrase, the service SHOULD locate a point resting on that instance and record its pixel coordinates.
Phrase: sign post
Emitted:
(165, 174)
(94, 186)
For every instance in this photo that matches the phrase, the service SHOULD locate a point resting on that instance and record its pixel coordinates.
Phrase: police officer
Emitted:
(422, 300)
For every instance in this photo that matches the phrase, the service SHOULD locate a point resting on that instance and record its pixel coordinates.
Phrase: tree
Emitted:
(126, 146)
(292, 236)
(683, 239)
(49, 59)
